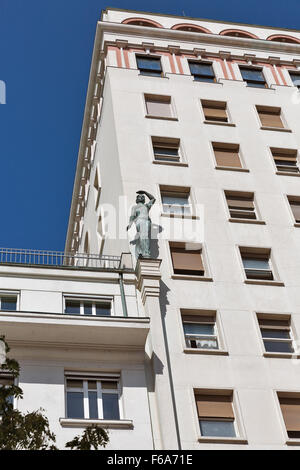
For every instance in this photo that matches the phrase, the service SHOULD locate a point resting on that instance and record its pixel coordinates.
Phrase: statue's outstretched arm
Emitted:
(151, 198)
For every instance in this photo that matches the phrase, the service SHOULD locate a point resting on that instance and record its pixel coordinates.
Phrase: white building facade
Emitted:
(198, 346)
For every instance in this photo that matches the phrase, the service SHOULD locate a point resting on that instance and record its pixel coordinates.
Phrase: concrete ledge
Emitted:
(287, 173)
(232, 168)
(104, 423)
(220, 123)
(210, 352)
(164, 118)
(281, 355)
(186, 277)
(264, 282)
(166, 162)
(179, 216)
(280, 129)
(223, 440)
(247, 221)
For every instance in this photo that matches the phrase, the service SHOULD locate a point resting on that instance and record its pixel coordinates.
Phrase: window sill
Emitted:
(220, 123)
(188, 277)
(280, 129)
(293, 442)
(232, 168)
(296, 224)
(164, 118)
(223, 440)
(165, 162)
(212, 352)
(287, 173)
(179, 216)
(281, 355)
(105, 423)
(247, 221)
(264, 282)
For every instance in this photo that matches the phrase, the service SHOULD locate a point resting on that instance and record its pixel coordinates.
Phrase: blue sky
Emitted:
(45, 50)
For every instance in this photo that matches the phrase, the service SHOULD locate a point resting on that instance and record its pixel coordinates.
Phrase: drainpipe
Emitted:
(123, 298)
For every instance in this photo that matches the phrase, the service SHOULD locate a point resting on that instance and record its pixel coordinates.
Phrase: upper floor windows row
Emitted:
(204, 71)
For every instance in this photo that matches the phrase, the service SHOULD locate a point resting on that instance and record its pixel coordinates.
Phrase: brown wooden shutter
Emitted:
(295, 206)
(214, 406)
(215, 114)
(189, 261)
(158, 108)
(198, 318)
(270, 118)
(244, 203)
(290, 408)
(227, 157)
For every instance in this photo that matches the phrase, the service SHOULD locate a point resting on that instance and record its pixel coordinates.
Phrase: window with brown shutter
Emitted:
(241, 205)
(214, 110)
(270, 117)
(186, 260)
(295, 206)
(290, 408)
(176, 200)
(285, 160)
(166, 149)
(227, 155)
(158, 106)
(215, 414)
(276, 333)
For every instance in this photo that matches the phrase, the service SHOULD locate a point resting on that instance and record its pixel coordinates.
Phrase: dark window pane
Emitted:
(217, 428)
(278, 346)
(283, 334)
(198, 78)
(149, 63)
(8, 303)
(256, 84)
(252, 74)
(72, 307)
(88, 308)
(110, 406)
(295, 78)
(201, 69)
(250, 263)
(103, 309)
(75, 405)
(198, 329)
(93, 407)
(165, 151)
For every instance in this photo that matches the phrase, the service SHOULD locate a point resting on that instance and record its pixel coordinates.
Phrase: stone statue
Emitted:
(140, 216)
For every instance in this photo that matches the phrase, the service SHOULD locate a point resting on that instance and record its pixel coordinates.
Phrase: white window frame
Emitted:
(149, 56)
(190, 204)
(195, 337)
(92, 299)
(97, 378)
(156, 96)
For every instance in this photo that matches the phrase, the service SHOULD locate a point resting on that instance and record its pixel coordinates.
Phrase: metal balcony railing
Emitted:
(58, 259)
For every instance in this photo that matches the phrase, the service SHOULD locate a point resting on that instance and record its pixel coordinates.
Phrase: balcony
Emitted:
(60, 259)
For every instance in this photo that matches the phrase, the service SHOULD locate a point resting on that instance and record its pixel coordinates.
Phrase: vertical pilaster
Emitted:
(148, 278)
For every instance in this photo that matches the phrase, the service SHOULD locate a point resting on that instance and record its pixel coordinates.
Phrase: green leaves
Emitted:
(93, 437)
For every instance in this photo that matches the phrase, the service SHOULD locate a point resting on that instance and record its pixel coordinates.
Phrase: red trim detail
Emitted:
(229, 62)
(246, 34)
(270, 66)
(179, 65)
(290, 39)
(152, 24)
(118, 54)
(199, 29)
(126, 58)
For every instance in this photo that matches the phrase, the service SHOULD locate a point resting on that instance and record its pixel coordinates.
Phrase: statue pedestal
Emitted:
(161, 395)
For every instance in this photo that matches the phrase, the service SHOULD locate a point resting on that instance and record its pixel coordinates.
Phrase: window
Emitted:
(202, 71)
(256, 263)
(158, 106)
(149, 66)
(8, 302)
(227, 155)
(295, 77)
(270, 117)
(254, 77)
(186, 259)
(214, 111)
(295, 206)
(215, 414)
(175, 200)
(166, 149)
(7, 380)
(92, 397)
(200, 331)
(88, 307)
(285, 160)
(241, 205)
(290, 408)
(276, 333)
